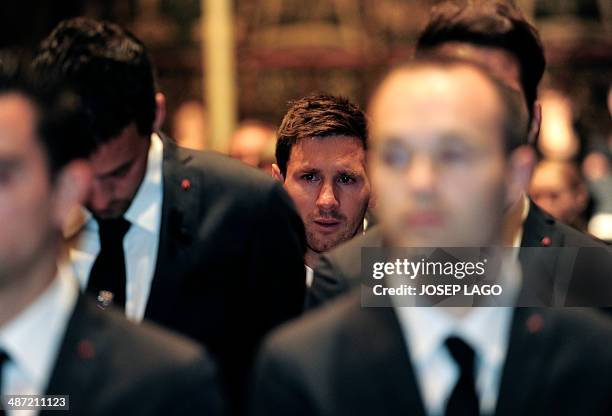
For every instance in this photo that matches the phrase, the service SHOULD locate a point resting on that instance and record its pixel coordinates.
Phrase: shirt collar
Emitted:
(518, 236)
(33, 338)
(145, 209)
(486, 329)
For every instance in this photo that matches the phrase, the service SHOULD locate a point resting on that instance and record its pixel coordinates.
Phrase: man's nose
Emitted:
(327, 199)
(421, 176)
(100, 196)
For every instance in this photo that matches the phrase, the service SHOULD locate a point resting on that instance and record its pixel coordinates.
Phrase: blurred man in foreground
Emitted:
(52, 340)
(496, 35)
(445, 158)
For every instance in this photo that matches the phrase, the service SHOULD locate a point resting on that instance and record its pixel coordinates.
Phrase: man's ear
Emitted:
(71, 189)
(160, 111)
(276, 173)
(536, 122)
(520, 168)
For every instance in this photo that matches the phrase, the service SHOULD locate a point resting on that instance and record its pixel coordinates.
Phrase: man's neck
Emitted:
(17, 294)
(513, 221)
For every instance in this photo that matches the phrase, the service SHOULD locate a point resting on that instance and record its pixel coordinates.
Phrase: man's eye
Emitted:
(346, 179)
(395, 157)
(453, 155)
(310, 177)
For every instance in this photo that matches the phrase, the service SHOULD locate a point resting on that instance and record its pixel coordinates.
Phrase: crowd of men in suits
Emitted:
(138, 277)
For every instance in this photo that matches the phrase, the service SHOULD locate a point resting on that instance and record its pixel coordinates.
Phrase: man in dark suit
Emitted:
(446, 155)
(54, 341)
(346, 360)
(496, 35)
(192, 240)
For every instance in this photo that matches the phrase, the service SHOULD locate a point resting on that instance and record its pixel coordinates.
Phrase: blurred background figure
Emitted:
(267, 156)
(597, 169)
(558, 139)
(559, 189)
(250, 142)
(189, 125)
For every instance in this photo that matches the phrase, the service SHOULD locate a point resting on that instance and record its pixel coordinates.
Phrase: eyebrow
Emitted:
(445, 138)
(308, 170)
(349, 172)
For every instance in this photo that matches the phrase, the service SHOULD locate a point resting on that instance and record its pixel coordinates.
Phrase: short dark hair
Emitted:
(515, 118)
(108, 67)
(61, 121)
(490, 23)
(318, 116)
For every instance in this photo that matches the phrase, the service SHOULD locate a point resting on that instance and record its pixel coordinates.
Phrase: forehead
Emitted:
(428, 101)
(17, 122)
(501, 63)
(325, 152)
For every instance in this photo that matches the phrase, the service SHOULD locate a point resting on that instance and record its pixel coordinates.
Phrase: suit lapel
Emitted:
(178, 223)
(539, 265)
(80, 361)
(377, 356)
(539, 229)
(525, 361)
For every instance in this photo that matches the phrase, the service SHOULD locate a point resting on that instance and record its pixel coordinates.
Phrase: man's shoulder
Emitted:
(540, 221)
(217, 171)
(110, 365)
(579, 333)
(576, 238)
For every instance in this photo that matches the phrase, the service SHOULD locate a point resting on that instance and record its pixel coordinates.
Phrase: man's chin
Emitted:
(321, 245)
(109, 214)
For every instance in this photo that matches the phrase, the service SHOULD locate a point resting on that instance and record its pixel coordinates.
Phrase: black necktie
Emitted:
(108, 271)
(463, 400)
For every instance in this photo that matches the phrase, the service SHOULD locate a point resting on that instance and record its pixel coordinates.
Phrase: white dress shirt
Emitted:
(309, 275)
(518, 235)
(33, 338)
(140, 244)
(485, 329)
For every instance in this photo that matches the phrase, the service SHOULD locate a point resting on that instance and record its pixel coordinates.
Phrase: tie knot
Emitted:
(113, 229)
(462, 353)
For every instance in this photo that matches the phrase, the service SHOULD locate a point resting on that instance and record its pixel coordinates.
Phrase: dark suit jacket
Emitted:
(345, 360)
(109, 366)
(554, 257)
(230, 262)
